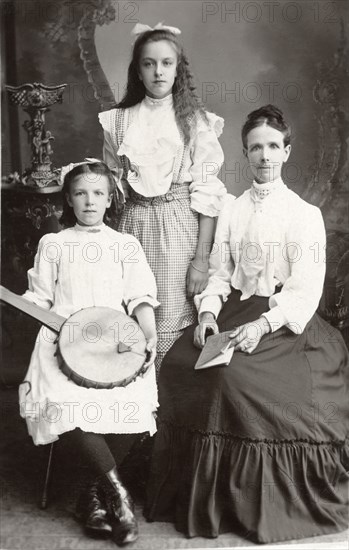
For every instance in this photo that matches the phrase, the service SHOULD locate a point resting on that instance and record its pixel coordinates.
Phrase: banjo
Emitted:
(97, 347)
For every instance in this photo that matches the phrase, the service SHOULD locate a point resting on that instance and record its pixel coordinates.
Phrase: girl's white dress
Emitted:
(74, 269)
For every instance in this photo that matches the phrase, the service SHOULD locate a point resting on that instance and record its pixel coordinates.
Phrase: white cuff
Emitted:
(213, 304)
(275, 318)
(131, 306)
(35, 299)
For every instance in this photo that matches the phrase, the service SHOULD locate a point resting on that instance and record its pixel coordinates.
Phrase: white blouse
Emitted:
(90, 266)
(269, 237)
(154, 147)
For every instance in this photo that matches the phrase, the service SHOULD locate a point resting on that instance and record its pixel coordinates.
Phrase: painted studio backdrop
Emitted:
(243, 54)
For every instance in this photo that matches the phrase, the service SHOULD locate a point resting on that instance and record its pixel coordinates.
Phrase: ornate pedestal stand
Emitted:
(36, 99)
(31, 201)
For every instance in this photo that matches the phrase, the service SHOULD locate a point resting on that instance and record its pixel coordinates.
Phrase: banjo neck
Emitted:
(48, 318)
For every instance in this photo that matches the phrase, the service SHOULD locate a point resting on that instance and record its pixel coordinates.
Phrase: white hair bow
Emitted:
(69, 167)
(139, 28)
(117, 172)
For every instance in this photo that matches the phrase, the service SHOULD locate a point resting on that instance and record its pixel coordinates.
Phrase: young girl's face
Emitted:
(158, 68)
(89, 197)
(266, 153)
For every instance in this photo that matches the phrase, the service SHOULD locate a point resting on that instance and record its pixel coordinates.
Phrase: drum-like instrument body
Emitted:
(100, 347)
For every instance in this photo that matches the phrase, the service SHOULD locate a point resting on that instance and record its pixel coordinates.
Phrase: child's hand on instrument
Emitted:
(146, 319)
(151, 351)
(207, 324)
(197, 278)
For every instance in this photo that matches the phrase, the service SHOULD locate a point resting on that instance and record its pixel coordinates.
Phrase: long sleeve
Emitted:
(42, 277)
(139, 281)
(221, 265)
(207, 191)
(110, 156)
(301, 292)
(108, 153)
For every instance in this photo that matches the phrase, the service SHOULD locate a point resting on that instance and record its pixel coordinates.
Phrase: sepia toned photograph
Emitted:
(174, 290)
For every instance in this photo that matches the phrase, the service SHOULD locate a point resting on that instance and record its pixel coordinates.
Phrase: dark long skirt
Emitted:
(257, 447)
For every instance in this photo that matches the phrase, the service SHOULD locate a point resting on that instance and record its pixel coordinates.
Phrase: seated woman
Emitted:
(258, 447)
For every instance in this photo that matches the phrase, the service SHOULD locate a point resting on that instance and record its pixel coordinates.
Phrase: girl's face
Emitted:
(158, 68)
(89, 197)
(266, 153)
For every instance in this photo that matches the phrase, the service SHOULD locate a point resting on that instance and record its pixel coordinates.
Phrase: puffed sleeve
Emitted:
(301, 292)
(207, 191)
(42, 277)
(139, 281)
(221, 265)
(109, 155)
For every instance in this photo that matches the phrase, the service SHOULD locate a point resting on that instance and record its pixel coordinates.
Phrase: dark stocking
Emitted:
(100, 452)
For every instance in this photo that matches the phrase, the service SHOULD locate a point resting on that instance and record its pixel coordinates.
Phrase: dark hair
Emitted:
(270, 115)
(68, 218)
(186, 103)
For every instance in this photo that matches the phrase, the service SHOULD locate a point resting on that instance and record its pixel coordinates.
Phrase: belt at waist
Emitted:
(179, 192)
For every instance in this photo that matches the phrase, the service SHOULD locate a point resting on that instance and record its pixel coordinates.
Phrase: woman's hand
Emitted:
(197, 277)
(247, 337)
(207, 322)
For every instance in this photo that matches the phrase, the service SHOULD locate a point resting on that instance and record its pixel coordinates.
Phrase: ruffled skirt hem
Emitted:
(265, 491)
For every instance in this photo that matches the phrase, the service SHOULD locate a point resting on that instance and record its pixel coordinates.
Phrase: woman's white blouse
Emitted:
(83, 267)
(153, 144)
(278, 240)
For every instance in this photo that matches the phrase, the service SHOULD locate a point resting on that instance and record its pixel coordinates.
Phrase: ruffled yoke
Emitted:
(151, 143)
(148, 136)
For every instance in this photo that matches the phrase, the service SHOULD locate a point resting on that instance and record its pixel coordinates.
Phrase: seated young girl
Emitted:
(258, 446)
(89, 264)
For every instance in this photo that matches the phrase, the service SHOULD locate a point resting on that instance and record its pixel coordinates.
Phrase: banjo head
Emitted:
(100, 347)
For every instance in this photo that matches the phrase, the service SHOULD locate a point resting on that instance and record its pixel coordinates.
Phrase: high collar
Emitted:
(262, 190)
(155, 103)
(89, 228)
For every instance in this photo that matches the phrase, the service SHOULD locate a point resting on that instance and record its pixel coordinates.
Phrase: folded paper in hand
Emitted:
(218, 350)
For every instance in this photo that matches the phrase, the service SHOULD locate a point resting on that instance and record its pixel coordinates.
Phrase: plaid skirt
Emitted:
(168, 230)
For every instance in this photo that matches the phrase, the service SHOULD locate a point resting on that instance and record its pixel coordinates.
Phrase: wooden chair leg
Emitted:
(44, 496)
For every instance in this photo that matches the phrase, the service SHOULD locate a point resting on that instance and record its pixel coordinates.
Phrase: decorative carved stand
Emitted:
(36, 99)
(31, 201)
(27, 214)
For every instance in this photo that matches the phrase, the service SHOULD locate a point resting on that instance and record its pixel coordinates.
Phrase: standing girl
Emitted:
(90, 264)
(167, 145)
(260, 446)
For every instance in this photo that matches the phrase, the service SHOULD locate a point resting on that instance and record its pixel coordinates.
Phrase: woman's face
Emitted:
(158, 68)
(266, 153)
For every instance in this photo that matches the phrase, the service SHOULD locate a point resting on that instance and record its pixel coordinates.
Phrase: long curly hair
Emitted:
(68, 218)
(270, 115)
(186, 103)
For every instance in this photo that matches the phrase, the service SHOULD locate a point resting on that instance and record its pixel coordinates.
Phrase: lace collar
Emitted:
(260, 191)
(89, 228)
(156, 103)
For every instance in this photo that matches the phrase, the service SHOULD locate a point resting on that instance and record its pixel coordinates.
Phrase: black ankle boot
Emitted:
(93, 512)
(121, 508)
